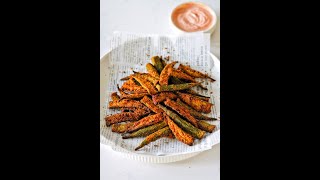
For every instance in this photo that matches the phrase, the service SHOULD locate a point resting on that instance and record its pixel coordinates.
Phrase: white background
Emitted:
(152, 16)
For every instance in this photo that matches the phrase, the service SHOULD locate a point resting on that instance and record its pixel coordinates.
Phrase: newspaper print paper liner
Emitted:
(163, 150)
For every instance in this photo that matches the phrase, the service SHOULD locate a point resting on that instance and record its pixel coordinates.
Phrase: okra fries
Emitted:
(160, 103)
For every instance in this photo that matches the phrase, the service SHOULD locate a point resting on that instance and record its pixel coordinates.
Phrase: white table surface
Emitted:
(152, 16)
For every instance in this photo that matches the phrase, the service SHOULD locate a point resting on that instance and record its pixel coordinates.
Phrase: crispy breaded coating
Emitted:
(134, 96)
(131, 86)
(126, 116)
(181, 75)
(179, 133)
(146, 121)
(121, 128)
(145, 84)
(160, 97)
(125, 103)
(114, 96)
(195, 103)
(148, 77)
(165, 75)
(193, 112)
(148, 102)
(196, 74)
(152, 71)
(186, 126)
(190, 91)
(182, 111)
(176, 87)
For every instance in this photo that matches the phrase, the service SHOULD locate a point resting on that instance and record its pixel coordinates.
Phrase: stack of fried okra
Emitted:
(160, 104)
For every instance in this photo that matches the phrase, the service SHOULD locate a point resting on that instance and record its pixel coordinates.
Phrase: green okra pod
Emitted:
(186, 126)
(156, 62)
(145, 131)
(164, 132)
(163, 62)
(175, 87)
(152, 71)
(206, 126)
(175, 80)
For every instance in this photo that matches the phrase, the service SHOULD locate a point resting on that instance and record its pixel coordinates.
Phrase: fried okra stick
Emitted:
(182, 111)
(131, 96)
(181, 75)
(125, 103)
(186, 126)
(126, 116)
(196, 103)
(203, 98)
(163, 62)
(206, 126)
(165, 74)
(179, 133)
(192, 92)
(174, 80)
(148, 102)
(146, 84)
(114, 96)
(156, 62)
(152, 71)
(148, 77)
(121, 128)
(160, 97)
(196, 74)
(146, 121)
(178, 74)
(134, 96)
(131, 86)
(193, 112)
(145, 131)
(175, 87)
(164, 132)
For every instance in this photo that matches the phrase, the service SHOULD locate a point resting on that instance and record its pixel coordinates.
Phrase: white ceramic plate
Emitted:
(215, 71)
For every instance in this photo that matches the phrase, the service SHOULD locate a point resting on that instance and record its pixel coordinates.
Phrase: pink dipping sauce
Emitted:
(192, 17)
